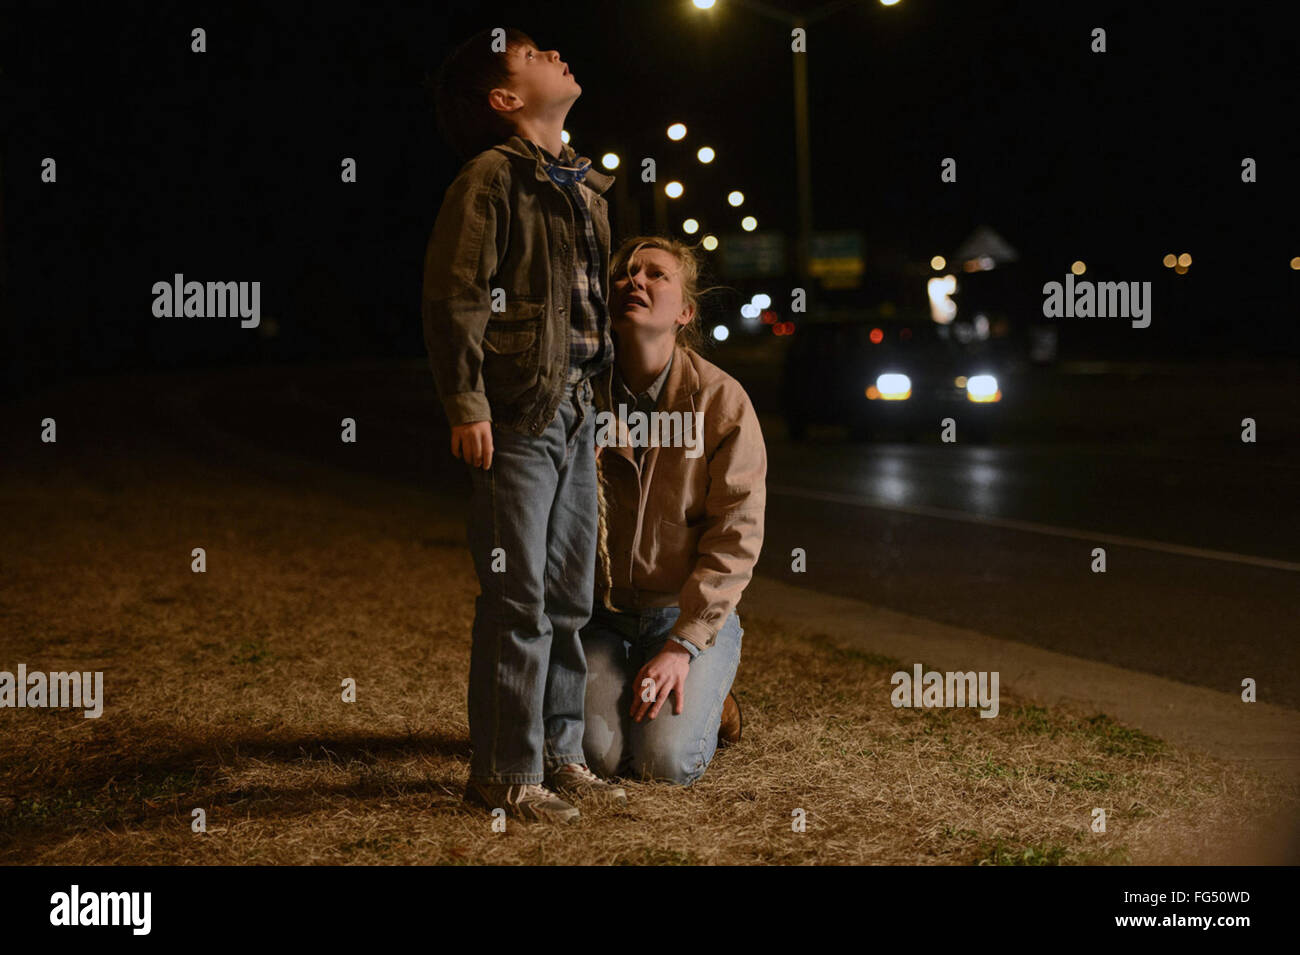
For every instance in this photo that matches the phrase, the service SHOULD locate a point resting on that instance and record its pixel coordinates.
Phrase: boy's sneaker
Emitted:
(576, 781)
(530, 801)
(729, 730)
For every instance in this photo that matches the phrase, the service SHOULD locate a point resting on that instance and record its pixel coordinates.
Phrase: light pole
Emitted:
(802, 144)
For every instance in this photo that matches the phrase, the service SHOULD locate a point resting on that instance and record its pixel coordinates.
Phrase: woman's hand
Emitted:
(664, 673)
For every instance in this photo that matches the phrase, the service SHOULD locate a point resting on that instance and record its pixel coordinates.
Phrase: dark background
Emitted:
(225, 166)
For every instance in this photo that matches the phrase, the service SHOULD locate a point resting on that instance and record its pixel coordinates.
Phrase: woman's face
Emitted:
(648, 303)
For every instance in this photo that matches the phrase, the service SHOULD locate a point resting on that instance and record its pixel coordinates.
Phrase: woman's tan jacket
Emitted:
(686, 527)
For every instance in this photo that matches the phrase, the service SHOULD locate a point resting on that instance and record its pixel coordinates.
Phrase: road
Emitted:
(1202, 565)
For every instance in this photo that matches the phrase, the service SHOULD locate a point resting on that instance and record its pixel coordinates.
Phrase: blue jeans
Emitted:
(532, 533)
(671, 748)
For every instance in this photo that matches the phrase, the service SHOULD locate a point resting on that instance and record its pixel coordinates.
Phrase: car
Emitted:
(875, 376)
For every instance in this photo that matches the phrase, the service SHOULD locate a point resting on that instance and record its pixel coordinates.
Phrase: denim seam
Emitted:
(497, 628)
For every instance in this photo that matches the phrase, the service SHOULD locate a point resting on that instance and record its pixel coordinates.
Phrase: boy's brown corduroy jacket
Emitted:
(504, 224)
(684, 531)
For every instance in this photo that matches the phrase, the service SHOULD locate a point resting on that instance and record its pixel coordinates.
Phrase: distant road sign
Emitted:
(836, 258)
(753, 254)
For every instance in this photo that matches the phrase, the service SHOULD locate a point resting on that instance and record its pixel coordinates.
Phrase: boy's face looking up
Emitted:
(540, 85)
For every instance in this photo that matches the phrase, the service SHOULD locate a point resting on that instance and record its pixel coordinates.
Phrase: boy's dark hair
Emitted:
(460, 92)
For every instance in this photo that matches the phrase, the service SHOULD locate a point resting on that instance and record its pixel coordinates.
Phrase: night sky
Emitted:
(225, 165)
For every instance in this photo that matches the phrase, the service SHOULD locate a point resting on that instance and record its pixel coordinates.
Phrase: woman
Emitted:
(681, 528)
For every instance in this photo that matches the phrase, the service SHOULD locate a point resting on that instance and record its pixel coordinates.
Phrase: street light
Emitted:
(802, 149)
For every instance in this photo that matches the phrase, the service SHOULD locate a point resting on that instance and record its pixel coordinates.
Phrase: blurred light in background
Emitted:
(674, 189)
(762, 300)
(983, 389)
(609, 161)
(705, 154)
(1078, 268)
(1170, 260)
(720, 332)
(710, 242)
(876, 336)
(703, 4)
(942, 308)
(677, 131)
(894, 387)
(1185, 260)
(736, 197)
(564, 135)
(749, 223)
(690, 226)
(938, 262)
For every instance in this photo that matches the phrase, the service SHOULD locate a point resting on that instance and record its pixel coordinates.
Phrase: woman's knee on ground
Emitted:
(665, 756)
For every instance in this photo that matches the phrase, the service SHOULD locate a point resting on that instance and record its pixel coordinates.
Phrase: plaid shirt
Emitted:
(591, 346)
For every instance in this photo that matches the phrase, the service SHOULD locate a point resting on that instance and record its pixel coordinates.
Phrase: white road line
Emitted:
(1032, 527)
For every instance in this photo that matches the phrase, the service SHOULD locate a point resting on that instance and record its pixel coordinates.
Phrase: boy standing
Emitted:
(516, 325)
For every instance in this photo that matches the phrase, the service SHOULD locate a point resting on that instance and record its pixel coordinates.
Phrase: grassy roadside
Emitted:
(223, 693)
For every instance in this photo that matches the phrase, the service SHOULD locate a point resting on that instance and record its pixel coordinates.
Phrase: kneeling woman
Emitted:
(681, 529)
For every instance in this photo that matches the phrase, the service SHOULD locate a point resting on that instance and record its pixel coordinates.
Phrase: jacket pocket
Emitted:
(510, 339)
(672, 557)
(511, 349)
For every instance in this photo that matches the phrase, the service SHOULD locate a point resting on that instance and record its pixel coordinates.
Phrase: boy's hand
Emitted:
(472, 443)
(664, 674)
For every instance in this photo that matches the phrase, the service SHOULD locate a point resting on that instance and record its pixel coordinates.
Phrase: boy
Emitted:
(515, 323)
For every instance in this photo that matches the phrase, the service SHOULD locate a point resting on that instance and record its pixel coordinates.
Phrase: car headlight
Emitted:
(894, 387)
(982, 388)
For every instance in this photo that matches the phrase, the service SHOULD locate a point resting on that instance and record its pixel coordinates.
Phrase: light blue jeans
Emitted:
(671, 748)
(532, 533)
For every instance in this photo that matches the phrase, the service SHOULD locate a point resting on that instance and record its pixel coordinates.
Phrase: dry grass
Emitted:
(223, 693)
